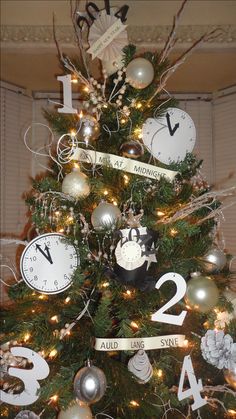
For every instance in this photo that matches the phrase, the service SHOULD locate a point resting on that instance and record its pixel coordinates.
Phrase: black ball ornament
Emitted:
(90, 384)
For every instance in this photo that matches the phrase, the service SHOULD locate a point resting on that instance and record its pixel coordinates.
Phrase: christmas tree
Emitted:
(121, 311)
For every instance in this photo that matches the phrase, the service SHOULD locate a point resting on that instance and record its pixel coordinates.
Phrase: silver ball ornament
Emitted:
(90, 384)
(26, 414)
(75, 411)
(76, 184)
(132, 149)
(230, 375)
(89, 129)
(105, 216)
(214, 260)
(140, 73)
(202, 293)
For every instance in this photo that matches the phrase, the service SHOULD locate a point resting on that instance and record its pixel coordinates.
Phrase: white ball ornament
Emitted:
(76, 184)
(214, 260)
(90, 384)
(140, 73)
(76, 411)
(105, 216)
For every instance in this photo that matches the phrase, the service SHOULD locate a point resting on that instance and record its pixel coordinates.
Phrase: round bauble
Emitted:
(202, 293)
(140, 73)
(214, 260)
(76, 184)
(132, 149)
(75, 411)
(90, 384)
(105, 216)
(230, 375)
(89, 129)
(26, 414)
(112, 66)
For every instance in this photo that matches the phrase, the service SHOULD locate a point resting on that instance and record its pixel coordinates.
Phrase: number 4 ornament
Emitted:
(195, 385)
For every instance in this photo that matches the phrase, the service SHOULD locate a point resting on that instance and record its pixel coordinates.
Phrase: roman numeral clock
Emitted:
(48, 263)
(170, 137)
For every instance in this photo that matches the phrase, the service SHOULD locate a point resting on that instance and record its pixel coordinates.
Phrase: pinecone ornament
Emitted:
(218, 349)
(139, 365)
(26, 414)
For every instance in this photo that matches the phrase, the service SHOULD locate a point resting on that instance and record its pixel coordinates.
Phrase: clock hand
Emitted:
(46, 255)
(171, 130)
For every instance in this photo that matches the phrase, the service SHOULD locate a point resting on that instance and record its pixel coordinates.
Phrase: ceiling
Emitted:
(29, 56)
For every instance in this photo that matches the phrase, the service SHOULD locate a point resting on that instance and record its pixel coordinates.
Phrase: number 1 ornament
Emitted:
(48, 263)
(170, 137)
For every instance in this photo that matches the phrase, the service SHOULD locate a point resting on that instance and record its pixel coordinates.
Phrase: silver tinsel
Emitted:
(26, 414)
(218, 349)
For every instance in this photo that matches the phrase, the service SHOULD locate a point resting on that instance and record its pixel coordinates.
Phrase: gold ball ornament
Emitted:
(202, 293)
(214, 260)
(76, 184)
(89, 129)
(75, 411)
(230, 375)
(140, 73)
(132, 149)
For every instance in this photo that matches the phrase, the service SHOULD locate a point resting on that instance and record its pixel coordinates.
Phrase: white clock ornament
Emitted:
(170, 137)
(131, 251)
(48, 263)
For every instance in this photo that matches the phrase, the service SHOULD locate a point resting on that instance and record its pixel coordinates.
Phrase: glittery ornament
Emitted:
(90, 384)
(214, 260)
(132, 149)
(202, 294)
(76, 184)
(140, 73)
(89, 129)
(26, 414)
(139, 365)
(218, 348)
(76, 411)
(105, 216)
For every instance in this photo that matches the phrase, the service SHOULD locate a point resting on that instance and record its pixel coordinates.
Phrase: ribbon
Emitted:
(122, 163)
(111, 33)
(134, 344)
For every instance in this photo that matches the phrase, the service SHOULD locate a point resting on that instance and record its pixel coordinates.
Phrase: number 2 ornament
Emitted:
(170, 137)
(48, 263)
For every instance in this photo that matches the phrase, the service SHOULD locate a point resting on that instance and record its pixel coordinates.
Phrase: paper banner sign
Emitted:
(97, 47)
(134, 344)
(122, 163)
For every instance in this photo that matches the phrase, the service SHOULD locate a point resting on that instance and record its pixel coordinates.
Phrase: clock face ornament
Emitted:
(135, 248)
(48, 263)
(170, 137)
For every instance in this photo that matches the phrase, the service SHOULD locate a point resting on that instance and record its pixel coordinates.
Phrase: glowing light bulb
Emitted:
(67, 300)
(138, 105)
(133, 403)
(105, 192)
(54, 318)
(160, 213)
(105, 284)
(26, 337)
(72, 133)
(54, 398)
(134, 325)
(86, 89)
(81, 114)
(53, 353)
(173, 232)
(185, 343)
